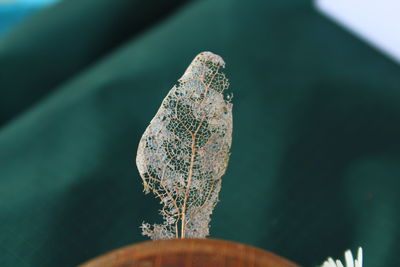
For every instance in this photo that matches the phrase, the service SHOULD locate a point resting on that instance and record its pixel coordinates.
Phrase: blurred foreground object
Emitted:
(189, 252)
(377, 22)
(349, 260)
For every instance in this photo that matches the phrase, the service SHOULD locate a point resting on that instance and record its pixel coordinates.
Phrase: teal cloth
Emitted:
(315, 161)
(13, 12)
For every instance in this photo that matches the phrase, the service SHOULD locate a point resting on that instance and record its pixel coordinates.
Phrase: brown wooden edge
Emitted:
(164, 248)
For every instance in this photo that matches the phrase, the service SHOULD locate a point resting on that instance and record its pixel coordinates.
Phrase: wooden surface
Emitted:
(191, 253)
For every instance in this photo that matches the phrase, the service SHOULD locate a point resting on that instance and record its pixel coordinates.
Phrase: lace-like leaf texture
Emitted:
(184, 151)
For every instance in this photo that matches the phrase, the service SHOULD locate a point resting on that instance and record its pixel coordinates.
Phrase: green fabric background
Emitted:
(315, 162)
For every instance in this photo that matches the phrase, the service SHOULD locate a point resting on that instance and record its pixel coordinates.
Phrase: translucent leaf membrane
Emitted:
(184, 151)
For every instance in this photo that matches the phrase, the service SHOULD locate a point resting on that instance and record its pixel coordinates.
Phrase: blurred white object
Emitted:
(350, 261)
(376, 21)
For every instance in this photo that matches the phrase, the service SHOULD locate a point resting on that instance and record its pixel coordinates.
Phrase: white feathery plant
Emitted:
(350, 261)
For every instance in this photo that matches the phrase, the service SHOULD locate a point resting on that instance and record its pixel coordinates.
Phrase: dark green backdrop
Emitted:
(315, 162)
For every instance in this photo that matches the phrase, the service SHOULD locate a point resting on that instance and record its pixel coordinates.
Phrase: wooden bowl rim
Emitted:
(173, 246)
